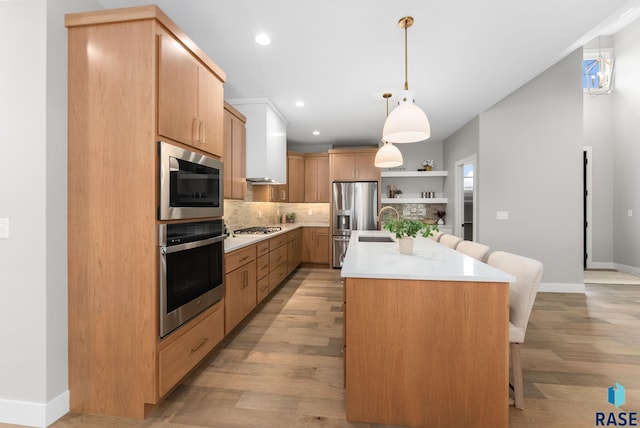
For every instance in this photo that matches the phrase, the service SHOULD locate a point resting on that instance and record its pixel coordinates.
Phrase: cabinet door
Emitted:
(238, 164)
(365, 167)
(343, 166)
(210, 112)
(323, 183)
(310, 179)
(228, 157)
(322, 246)
(240, 294)
(177, 92)
(296, 178)
(234, 157)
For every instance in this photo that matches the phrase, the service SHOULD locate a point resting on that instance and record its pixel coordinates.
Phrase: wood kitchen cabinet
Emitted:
(315, 245)
(240, 286)
(296, 177)
(270, 193)
(294, 249)
(190, 99)
(118, 365)
(235, 185)
(353, 165)
(317, 187)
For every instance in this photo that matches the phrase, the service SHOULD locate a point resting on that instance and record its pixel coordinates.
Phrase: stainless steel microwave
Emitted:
(191, 184)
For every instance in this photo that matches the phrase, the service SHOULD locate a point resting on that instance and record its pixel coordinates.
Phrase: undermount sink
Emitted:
(375, 239)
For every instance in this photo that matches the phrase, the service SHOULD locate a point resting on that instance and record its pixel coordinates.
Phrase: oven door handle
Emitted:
(190, 245)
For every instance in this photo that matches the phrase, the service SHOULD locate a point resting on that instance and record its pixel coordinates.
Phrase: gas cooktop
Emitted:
(256, 230)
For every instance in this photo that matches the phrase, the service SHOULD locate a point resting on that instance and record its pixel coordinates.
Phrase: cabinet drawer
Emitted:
(263, 266)
(292, 235)
(263, 288)
(178, 358)
(277, 275)
(262, 248)
(277, 257)
(277, 241)
(235, 259)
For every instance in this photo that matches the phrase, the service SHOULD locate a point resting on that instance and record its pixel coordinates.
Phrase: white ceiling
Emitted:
(339, 57)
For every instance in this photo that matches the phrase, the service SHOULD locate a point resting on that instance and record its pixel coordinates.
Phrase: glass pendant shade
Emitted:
(388, 156)
(407, 123)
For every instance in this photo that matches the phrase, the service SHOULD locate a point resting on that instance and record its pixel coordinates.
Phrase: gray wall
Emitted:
(531, 166)
(463, 143)
(33, 275)
(626, 178)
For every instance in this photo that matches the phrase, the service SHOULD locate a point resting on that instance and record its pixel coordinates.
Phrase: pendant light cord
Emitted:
(406, 60)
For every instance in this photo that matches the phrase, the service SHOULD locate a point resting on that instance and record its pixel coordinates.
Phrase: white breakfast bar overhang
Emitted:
(426, 336)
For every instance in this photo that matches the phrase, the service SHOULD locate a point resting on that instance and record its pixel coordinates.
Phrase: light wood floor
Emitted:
(283, 368)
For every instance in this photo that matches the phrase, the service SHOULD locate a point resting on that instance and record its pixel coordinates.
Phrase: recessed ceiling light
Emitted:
(316, 132)
(299, 103)
(263, 39)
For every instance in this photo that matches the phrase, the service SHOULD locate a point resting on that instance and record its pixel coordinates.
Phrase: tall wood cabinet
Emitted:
(235, 186)
(117, 363)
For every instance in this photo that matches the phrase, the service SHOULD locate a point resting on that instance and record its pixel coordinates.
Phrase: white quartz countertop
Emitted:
(429, 261)
(239, 241)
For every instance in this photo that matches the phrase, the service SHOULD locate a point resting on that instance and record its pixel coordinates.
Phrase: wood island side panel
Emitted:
(426, 353)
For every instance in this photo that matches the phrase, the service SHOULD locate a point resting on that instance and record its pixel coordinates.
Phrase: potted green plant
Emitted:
(405, 230)
(291, 217)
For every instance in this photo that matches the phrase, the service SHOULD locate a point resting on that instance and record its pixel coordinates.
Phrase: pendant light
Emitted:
(407, 123)
(388, 155)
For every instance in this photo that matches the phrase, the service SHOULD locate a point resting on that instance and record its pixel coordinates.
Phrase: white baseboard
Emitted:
(561, 287)
(627, 269)
(601, 265)
(34, 414)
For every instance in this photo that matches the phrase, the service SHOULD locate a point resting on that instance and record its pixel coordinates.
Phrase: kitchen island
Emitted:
(426, 336)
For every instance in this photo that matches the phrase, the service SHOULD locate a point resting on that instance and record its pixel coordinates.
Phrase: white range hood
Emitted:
(266, 152)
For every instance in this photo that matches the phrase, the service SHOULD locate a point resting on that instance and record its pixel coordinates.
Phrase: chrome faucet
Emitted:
(388, 207)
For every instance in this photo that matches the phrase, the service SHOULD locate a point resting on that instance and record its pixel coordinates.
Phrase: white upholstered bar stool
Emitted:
(522, 294)
(450, 241)
(435, 235)
(474, 249)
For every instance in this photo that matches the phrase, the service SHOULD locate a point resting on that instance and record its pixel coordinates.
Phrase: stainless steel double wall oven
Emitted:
(190, 234)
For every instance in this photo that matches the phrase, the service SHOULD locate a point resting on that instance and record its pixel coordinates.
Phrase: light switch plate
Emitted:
(629, 213)
(502, 215)
(4, 228)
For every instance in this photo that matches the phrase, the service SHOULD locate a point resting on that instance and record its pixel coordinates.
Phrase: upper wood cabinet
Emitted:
(270, 193)
(353, 165)
(316, 178)
(235, 185)
(296, 177)
(190, 99)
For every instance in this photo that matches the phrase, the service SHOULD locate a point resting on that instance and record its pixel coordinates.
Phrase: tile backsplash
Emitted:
(239, 214)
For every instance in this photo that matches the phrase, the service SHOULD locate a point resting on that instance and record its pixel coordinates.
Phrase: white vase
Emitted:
(405, 245)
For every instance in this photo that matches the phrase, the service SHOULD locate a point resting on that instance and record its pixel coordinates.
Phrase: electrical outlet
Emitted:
(310, 212)
(629, 213)
(4, 228)
(502, 215)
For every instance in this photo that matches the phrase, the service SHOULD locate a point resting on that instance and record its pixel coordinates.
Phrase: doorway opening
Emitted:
(466, 225)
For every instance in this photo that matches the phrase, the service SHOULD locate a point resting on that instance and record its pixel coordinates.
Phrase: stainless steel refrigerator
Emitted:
(354, 207)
